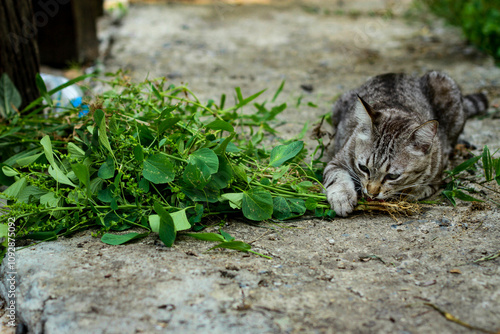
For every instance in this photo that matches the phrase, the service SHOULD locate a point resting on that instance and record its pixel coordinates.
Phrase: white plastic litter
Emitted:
(70, 96)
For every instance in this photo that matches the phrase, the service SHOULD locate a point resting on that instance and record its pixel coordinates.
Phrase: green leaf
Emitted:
(144, 185)
(95, 185)
(278, 91)
(242, 101)
(311, 204)
(220, 125)
(286, 208)
(168, 123)
(497, 170)
(281, 209)
(207, 236)
(114, 204)
(227, 236)
(320, 212)
(114, 239)
(75, 152)
(197, 175)
(9, 97)
(240, 172)
(278, 174)
(4, 179)
(49, 200)
(297, 206)
(208, 194)
(450, 195)
(9, 171)
(54, 169)
(487, 164)
(28, 153)
(283, 153)
(236, 245)
(180, 221)
(158, 169)
(224, 175)
(156, 92)
(167, 230)
(30, 193)
(208, 157)
(15, 189)
(303, 187)
(113, 125)
(138, 153)
(26, 161)
(107, 169)
(265, 181)
(59, 176)
(47, 149)
(196, 214)
(103, 136)
(82, 173)
(226, 146)
(40, 84)
(235, 199)
(105, 195)
(464, 197)
(238, 94)
(10, 132)
(257, 204)
(464, 165)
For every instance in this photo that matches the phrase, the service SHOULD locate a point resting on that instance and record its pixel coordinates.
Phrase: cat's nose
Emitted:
(372, 190)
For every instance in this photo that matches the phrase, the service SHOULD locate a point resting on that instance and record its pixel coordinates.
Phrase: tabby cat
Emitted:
(394, 136)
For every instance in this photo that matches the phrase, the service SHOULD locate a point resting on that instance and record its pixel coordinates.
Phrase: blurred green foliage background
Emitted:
(479, 20)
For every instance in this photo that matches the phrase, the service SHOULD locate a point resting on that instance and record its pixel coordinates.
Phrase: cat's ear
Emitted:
(422, 137)
(365, 113)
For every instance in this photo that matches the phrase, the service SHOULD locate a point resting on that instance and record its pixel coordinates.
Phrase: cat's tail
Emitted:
(475, 104)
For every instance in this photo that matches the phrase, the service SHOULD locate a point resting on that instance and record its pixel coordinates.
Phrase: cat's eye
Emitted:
(392, 177)
(364, 169)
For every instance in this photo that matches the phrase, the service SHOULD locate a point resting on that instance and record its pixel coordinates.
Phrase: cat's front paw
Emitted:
(342, 198)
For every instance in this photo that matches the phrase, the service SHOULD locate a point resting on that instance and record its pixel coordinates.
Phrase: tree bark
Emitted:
(67, 31)
(18, 47)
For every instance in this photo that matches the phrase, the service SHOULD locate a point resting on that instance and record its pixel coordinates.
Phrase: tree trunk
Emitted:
(67, 31)
(18, 47)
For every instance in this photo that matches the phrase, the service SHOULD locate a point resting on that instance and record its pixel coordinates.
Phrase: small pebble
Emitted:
(332, 241)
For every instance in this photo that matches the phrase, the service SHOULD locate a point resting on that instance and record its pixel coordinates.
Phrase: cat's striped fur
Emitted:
(394, 136)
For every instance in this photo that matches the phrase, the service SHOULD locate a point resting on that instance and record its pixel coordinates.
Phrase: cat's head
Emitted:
(392, 151)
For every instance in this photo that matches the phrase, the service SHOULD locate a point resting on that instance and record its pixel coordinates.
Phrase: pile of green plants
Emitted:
(152, 156)
(479, 20)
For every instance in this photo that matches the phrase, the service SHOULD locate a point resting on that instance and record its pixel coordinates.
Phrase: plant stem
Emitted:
(290, 193)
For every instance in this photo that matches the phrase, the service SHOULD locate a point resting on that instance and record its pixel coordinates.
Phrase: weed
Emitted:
(460, 179)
